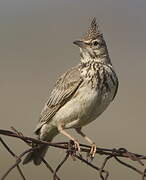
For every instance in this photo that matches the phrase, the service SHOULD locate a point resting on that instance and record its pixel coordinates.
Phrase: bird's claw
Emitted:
(76, 146)
(92, 152)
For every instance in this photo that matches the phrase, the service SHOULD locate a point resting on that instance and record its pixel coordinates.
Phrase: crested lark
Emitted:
(80, 95)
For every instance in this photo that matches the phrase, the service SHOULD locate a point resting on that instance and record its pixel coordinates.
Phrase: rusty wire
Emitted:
(116, 154)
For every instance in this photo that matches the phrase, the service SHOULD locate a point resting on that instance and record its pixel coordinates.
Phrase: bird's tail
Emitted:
(47, 133)
(37, 155)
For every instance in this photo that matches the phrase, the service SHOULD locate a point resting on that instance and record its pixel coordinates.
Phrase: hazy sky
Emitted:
(36, 47)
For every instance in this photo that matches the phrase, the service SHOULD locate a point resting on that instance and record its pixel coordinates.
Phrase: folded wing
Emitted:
(64, 89)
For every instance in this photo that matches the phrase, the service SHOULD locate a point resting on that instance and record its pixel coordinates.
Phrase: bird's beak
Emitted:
(80, 43)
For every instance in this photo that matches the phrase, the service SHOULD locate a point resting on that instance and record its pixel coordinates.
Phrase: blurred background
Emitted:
(36, 47)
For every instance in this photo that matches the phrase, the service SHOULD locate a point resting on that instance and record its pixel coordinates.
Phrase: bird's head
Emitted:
(92, 45)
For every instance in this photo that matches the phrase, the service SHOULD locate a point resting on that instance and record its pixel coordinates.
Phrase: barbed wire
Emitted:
(70, 151)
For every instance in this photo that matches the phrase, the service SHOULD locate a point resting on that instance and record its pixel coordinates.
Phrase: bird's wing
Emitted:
(64, 89)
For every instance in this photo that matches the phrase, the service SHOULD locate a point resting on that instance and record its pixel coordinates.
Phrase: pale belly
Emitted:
(85, 107)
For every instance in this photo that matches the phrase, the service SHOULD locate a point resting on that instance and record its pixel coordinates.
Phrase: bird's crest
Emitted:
(93, 31)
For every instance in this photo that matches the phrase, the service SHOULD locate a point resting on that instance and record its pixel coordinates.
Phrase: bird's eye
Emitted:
(95, 43)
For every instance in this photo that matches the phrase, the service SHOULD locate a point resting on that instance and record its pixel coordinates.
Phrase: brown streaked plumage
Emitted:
(63, 90)
(80, 95)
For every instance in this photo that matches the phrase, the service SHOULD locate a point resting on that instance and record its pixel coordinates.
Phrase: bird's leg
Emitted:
(93, 146)
(62, 131)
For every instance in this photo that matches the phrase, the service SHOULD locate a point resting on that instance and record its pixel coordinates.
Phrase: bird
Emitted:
(79, 96)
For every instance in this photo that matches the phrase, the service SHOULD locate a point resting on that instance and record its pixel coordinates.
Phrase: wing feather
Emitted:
(63, 90)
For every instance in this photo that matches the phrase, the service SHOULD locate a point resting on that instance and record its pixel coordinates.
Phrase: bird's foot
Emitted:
(92, 152)
(75, 148)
